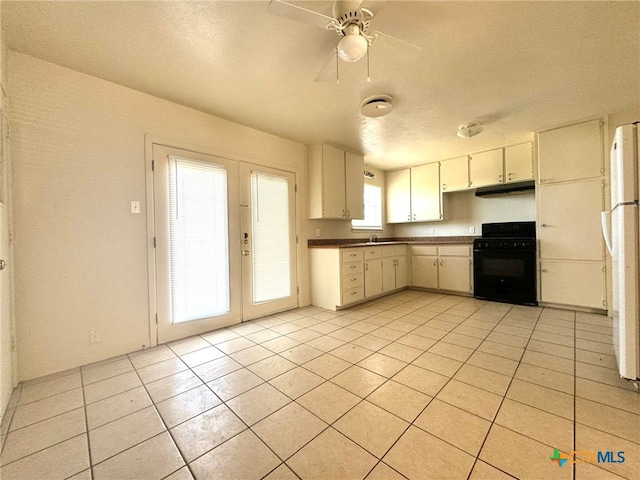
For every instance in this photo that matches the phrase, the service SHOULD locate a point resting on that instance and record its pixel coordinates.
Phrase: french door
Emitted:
(268, 241)
(225, 242)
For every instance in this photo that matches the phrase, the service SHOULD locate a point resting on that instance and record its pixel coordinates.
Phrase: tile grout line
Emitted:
(477, 457)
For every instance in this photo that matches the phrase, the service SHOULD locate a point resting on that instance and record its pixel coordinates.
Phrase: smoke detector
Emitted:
(376, 106)
(469, 130)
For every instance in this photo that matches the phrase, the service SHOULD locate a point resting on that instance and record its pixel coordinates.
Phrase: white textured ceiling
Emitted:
(516, 67)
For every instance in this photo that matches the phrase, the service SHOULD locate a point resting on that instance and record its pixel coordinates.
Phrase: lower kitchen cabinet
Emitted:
(394, 268)
(345, 276)
(424, 271)
(337, 277)
(447, 267)
(573, 283)
(373, 277)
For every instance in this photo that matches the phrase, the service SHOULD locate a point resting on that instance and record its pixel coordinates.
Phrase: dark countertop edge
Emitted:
(363, 242)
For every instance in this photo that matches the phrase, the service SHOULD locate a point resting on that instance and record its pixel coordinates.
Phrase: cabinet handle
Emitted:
(409, 217)
(444, 186)
(545, 225)
(366, 267)
(348, 214)
(441, 262)
(510, 176)
(499, 178)
(414, 216)
(544, 270)
(354, 279)
(435, 262)
(343, 216)
(354, 293)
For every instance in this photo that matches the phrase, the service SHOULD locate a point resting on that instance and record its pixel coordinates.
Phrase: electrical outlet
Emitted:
(431, 231)
(95, 336)
(317, 232)
(472, 229)
(135, 206)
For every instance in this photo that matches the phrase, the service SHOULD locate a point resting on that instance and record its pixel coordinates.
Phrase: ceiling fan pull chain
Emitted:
(368, 69)
(337, 68)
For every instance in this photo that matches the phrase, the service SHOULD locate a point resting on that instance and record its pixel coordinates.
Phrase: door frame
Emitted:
(149, 142)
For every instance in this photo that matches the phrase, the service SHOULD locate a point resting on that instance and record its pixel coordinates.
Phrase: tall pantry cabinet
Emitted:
(570, 197)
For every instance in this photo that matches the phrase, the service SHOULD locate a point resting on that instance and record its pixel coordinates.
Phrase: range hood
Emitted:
(517, 188)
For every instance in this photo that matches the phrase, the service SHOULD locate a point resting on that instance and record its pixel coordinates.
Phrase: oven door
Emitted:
(505, 275)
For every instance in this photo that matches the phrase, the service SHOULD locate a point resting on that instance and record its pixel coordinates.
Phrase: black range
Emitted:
(504, 263)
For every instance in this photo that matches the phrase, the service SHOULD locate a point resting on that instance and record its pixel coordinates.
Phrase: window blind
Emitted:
(270, 229)
(199, 239)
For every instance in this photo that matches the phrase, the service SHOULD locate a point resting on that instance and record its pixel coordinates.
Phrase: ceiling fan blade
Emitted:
(329, 70)
(396, 41)
(300, 14)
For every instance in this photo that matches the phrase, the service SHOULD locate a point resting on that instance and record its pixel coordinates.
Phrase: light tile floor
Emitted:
(414, 385)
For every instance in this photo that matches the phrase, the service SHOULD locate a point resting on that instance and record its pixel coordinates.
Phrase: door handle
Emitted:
(246, 253)
(2, 264)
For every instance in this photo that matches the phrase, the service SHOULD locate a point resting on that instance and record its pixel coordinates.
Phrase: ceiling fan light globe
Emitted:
(352, 48)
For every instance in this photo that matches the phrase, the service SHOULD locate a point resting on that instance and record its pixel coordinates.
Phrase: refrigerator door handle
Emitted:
(605, 218)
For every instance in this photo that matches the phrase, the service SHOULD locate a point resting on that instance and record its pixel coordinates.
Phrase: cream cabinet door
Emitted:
(388, 274)
(424, 271)
(518, 162)
(372, 278)
(486, 168)
(399, 196)
(401, 272)
(333, 181)
(425, 193)
(354, 185)
(579, 284)
(571, 153)
(454, 174)
(454, 274)
(570, 229)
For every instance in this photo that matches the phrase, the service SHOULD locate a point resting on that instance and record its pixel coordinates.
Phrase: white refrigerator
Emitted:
(623, 242)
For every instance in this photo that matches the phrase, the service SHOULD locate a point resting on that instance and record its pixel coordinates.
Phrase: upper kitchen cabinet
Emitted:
(398, 189)
(518, 162)
(486, 168)
(413, 194)
(571, 153)
(454, 174)
(336, 183)
(426, 201)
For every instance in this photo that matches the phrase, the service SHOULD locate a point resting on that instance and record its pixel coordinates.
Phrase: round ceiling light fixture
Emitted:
(376, 106)
(469, 130)
(353, 46)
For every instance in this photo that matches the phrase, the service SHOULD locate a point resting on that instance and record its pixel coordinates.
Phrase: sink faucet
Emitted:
(373, 238)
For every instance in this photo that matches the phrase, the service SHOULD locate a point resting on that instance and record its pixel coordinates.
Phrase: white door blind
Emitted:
(270, 228)
(199, 240)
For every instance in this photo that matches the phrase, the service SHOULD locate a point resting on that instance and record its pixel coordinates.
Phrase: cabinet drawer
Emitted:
(351, 255)
(374, 252)
(455, 251)
(351, 268)
(423, 250)
(350, 282)
(353, 295)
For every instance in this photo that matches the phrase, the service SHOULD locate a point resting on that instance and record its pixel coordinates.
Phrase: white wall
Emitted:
(463, 210)
(78, 151)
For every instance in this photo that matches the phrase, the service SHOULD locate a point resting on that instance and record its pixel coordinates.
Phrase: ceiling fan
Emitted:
(350, 21)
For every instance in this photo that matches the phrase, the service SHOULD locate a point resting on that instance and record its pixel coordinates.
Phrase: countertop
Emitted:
(364, 242)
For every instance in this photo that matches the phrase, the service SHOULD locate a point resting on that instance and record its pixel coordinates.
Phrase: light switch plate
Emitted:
(431, 231)
(472, 229)
(135, 206)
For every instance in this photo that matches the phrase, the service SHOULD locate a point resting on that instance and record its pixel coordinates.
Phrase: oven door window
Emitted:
(503, 267)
